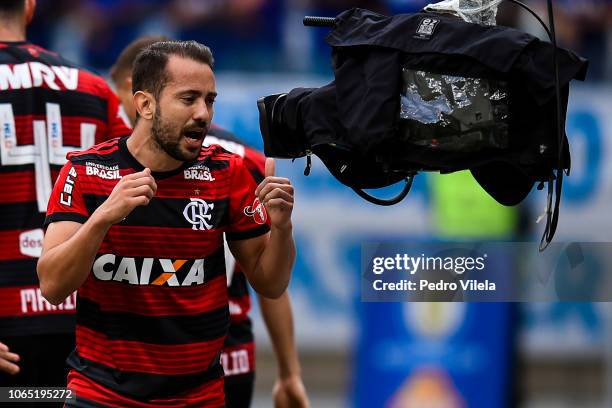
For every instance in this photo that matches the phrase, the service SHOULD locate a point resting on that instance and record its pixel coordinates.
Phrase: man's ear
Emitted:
(145, 104)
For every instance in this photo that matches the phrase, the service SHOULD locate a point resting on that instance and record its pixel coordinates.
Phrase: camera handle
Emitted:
(311, 21)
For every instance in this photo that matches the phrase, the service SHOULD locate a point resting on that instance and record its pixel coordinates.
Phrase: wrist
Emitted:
(289, 378)
(286, 228)
(100, 220)
(289, 371)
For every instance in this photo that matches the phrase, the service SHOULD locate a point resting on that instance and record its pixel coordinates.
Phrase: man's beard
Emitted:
(168, 139)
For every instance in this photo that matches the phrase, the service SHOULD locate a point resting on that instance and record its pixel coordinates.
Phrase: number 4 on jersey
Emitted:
(48, 147)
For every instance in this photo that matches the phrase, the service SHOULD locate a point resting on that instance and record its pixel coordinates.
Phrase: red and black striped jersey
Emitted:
(238, 356)
(153, 313)
(48, 106)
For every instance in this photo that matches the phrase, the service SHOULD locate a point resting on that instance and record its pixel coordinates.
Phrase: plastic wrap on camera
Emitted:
(473, 11)
(479, 11)
(453, 113)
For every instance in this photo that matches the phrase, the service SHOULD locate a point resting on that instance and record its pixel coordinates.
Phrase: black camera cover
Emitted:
(431, 92)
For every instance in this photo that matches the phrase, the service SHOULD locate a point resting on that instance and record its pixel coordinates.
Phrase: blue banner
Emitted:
(413, 355)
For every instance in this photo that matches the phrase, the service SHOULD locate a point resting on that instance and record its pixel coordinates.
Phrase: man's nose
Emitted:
(201, 112)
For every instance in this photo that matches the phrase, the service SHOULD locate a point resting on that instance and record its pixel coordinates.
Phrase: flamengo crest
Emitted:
(198, 213)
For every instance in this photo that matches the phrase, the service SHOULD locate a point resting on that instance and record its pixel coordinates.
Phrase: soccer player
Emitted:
(48, 106)
(136, 225)
(238, 355)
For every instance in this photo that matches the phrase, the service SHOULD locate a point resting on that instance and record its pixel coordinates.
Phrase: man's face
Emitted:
(184, 108)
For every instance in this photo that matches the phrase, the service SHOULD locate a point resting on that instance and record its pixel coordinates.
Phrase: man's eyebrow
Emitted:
(189, 91)
(196, 92)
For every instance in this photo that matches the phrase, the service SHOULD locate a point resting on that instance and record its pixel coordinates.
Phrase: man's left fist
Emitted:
(276, 194)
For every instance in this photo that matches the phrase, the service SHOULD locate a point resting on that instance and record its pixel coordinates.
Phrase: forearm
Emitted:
(273, 269)
(63, 268)
(278, 318)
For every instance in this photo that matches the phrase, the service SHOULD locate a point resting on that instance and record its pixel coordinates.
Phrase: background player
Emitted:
(238, 356)
(48, 106)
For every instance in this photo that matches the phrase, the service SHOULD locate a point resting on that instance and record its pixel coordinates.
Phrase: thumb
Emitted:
(269, 169)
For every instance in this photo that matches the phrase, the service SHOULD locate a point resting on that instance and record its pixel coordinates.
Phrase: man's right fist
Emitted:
(130, 192)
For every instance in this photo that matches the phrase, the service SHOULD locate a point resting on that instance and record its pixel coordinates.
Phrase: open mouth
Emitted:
(195, 134)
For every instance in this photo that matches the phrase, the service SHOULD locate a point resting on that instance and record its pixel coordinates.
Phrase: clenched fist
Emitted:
(276, 194)
(130, 192)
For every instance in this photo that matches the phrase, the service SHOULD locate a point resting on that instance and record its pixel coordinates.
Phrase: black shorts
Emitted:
(42, 364)
(239, 390)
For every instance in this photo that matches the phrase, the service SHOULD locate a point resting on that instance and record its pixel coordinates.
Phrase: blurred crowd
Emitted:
(267, 35)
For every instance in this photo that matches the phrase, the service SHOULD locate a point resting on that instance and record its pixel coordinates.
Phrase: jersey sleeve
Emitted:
(248, 217)
(255, 163)
(67, 202)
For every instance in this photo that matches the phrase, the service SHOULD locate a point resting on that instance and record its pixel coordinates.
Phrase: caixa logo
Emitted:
(149, 271)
